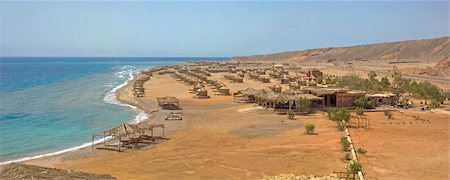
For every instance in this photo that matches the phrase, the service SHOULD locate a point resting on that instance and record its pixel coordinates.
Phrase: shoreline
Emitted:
(111, 97)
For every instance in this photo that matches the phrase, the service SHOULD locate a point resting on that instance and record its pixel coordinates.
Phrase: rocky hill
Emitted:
(427, 50)
(441, 69)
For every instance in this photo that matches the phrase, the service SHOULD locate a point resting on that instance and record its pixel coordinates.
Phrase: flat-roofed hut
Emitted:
(284, 80)
(202, 93)
(122, 130)
(266, 98)
(312, 83)
(197, 86)
(294, 86)
(246, 96)
(382, 99)
(288, 101)
(314, 73)
(264, 79)
(151, 127)
(168, 102)
(224, 91)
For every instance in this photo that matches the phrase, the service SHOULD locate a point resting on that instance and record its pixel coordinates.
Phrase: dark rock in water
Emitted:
(25, 171)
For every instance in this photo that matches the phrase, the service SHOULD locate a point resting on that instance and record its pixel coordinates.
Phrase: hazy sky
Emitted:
(209, 28)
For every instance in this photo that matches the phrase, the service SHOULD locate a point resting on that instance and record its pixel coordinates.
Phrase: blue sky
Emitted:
(209, 28)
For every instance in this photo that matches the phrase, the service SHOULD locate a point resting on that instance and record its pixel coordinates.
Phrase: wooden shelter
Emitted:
(224, 91)
(246, 96)
(122, 130)
(168, 102)
(202, 93)
(197, 87)
(335, 97)
(276, 88)
(314, 73)
(382, 99)
(284, 80)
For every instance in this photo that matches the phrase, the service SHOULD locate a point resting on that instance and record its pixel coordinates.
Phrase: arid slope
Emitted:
(426, 50)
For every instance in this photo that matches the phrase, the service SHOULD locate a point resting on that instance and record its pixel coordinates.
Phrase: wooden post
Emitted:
(163, 131)
(104, 138)
(92, 144)
(359, 119)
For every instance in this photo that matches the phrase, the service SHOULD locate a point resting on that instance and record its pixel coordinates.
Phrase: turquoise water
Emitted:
(53, 104)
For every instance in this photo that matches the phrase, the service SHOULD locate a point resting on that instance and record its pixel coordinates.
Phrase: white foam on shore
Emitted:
(55, 153)
(110, 97)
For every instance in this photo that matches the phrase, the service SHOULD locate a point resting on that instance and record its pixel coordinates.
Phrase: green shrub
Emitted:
(310, 128)
(303, 104)
(363, 102)
(347, 156)
(434, 104)
(339, 114)
(355, 166)
(388, 114)
(319, 80)
(345, 143)
(385, 82)
(362, 151)
(290, 114)
(359, 111)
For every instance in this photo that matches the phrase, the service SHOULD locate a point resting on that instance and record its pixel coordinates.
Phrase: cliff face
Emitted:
(427, 50)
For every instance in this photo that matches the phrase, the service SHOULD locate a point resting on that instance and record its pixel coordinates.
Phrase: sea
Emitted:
(51, 105)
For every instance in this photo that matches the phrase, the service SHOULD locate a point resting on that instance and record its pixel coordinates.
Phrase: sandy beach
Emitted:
(214, 141)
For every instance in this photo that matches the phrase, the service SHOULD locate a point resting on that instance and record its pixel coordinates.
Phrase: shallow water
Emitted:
(55, 104)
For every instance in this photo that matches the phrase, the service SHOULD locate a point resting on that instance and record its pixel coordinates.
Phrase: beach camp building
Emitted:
(335, 97)
(314, 73)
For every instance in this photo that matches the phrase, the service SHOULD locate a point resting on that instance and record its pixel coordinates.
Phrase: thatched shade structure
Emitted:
(150, 127)
(276, 88)
(122, 130)
(246, 96)
(285, 80)
(312, 84)
(251, 91)
(294, 86)
(265, 80)
(202, 93)
(198, 86)
(224, 91)
(170, 103)
(266, 98)
(382, 99)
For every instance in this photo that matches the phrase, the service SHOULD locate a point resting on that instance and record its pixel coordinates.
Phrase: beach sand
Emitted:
(221, 139)
(214, 141)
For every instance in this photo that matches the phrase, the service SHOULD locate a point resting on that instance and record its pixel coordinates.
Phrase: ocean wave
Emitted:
(110, 97)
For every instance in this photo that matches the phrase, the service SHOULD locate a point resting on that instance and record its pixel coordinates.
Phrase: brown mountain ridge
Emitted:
(426, 50)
